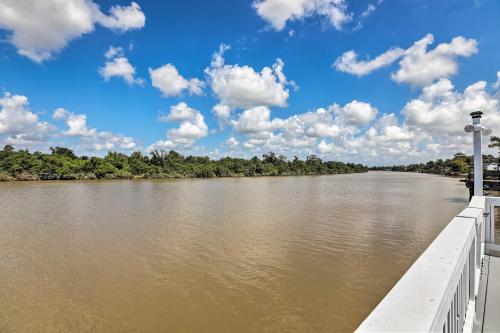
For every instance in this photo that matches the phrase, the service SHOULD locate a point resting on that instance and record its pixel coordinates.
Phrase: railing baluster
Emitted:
(462, 297)
(460, 314)
(467, 292)
(455, 326)
(448, 323)
(459, 306)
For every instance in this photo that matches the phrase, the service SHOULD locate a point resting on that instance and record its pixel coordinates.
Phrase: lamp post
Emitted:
(477, 131)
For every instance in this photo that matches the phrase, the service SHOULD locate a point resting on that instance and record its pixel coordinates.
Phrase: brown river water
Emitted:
(271, 254)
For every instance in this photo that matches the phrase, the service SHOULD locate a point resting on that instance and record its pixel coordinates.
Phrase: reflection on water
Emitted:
(291, 254)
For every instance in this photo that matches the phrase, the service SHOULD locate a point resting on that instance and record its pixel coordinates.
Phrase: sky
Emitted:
(373, 82)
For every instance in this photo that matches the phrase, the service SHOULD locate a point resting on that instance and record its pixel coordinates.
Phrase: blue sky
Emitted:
(410, 105)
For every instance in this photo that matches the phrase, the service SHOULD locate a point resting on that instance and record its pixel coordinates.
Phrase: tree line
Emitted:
(63, 164)
(459, 164)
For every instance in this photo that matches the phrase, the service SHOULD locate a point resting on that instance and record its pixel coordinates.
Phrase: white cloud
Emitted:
(19, 124)
(40, 29)
(357, 113)
(428, 127)
(431, 126)
(384, 140)
(232, 143)
(123, 18)
(323, 130)
(181, 112)
(364, 15)
(301, 131)
(349, 63)
(222, 112)
(120, 67)
(243, 87)
(256, 120)
(114, 52)
(168, 80)
(192, 127)
(77, 124)
(21, 127)
(368, 11)
(496, 85)
(388, 130)
(418, 66)
(330, 148)
(218, 56)
(91, 138)
(442, 112)
(110, 141)
(279, 12)
(15, 117)
(60, 113)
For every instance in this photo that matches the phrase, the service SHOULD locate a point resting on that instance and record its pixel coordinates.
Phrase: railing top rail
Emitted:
(420, 299)
(477, 202)
(493, 201)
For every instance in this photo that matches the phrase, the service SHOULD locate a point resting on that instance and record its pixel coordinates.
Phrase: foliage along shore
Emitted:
(458, 165)
(62, 164)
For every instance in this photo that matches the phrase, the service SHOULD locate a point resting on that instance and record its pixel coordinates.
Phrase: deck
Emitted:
(488, 308)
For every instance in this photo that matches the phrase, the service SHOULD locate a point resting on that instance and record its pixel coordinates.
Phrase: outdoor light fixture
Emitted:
(477, 127)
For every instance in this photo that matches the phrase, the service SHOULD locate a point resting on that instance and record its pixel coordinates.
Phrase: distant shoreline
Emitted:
(63, 164)
(460, 165)
(15, 180)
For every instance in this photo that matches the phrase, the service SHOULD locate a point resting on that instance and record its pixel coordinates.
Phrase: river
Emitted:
(271, 254)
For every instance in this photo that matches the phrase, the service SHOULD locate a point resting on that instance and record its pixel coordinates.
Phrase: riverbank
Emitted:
(63, 164)
(23, 177)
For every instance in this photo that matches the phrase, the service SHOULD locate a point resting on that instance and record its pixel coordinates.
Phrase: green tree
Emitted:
(62, 151)
(459, 166)
(63, 163)
(138, 164)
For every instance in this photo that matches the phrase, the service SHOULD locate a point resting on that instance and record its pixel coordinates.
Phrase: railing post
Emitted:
(478, 156)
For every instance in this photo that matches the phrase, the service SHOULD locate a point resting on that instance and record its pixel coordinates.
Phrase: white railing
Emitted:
(438, 292)
(491, 203)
